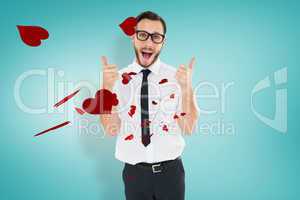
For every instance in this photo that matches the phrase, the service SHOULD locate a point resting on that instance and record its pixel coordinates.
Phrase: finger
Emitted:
(180, 75)
(192, 62)
(104, 60)
(182, 66)
(110, 66)
(181, 69)
(109, 72)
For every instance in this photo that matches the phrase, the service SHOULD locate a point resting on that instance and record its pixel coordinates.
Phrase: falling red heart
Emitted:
(132, 110)
(32, 35)
(172, 96)
(162, 81)
(128, 26)
(131, 73)
(129, 137)
(101, 104)
(154, 102)
(126, 77)
(182, 114)
(165, 128)
(175, 116)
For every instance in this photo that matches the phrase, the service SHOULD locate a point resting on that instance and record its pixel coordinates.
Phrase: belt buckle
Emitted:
(153, 168)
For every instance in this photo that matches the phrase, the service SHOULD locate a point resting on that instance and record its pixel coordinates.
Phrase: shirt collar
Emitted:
(154, 67)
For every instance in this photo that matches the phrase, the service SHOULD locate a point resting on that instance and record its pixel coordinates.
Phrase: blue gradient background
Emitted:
(233, 41)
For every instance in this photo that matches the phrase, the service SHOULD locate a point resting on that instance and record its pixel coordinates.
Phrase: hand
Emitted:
(184, 75)
(110, 74)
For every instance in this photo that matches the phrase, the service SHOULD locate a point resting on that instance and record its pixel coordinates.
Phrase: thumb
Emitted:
(192, 62)
(104, 60)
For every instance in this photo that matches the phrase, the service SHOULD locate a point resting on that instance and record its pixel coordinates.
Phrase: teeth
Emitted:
(147, 51)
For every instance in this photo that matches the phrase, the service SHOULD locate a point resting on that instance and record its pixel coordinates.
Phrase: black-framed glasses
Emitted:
(157, 38)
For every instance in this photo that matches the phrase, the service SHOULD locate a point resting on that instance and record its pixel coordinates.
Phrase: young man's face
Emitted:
(148, 51)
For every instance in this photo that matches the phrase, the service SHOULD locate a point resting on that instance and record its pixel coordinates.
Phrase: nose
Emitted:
(149, 42)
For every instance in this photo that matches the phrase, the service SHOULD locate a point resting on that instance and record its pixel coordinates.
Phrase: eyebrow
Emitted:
(155, 32)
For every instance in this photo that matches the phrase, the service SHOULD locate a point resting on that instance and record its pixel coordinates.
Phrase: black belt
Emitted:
(158, 166)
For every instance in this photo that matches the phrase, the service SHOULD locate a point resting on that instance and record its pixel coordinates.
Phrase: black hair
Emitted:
(152, 16)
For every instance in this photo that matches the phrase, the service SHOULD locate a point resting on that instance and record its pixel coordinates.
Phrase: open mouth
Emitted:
(146, 55)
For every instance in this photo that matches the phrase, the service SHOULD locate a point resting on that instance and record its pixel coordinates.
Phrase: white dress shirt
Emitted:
(164, 102)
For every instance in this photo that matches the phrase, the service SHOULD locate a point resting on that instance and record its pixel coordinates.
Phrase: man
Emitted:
(156, 105)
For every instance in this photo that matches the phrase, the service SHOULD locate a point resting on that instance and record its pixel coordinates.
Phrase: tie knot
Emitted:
(146, 72)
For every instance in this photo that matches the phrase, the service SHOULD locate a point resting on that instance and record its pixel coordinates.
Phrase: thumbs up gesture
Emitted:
(110, 74)
(184, 75)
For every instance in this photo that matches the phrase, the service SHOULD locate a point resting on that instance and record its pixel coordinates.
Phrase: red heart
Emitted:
(165, 128)
(162, 81)
(154, 102)
(32, 35)
(129, 137)
(101, 104)
(128, 26)
(175, 116)
(182, 114)
(132, 110)
(126, 77)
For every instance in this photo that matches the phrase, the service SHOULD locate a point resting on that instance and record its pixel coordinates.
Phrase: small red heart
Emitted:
(172, 96)
(154, 102)
(162, 81)
(128, 26)
(132, 110)
(182, 114)
(175, 116)
(165, 128)
(32, 35)
(129, 137)
(126, 77)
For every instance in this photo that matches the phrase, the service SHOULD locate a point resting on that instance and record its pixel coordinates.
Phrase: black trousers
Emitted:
(141, 183)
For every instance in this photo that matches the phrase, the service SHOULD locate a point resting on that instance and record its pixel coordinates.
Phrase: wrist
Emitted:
(107, 86)
(186, 89)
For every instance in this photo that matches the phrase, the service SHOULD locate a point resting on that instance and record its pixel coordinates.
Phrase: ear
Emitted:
(164, 43)
(132, 38)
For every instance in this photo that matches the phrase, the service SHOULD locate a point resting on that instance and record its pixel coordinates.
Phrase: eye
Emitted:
(142, 35)
(157, 37)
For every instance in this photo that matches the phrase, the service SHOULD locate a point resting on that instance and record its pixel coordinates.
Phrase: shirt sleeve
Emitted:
(116, 90)
(179, 101)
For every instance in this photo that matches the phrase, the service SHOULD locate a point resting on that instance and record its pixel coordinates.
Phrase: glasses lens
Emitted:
(141, 35)
(157, 38)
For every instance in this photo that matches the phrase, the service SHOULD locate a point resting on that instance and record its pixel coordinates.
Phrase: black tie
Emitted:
(145, 109)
